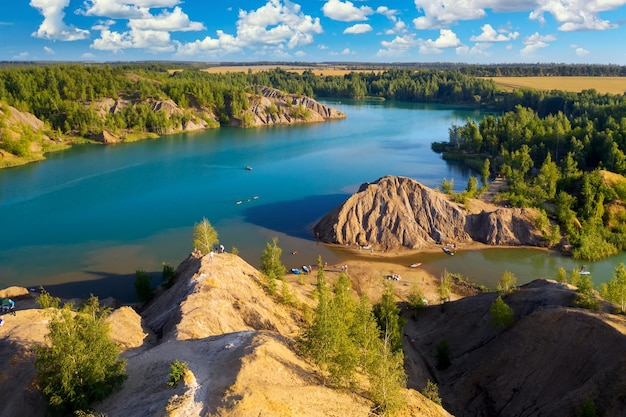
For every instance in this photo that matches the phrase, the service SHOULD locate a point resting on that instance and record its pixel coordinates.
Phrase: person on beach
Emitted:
(211, 256)
(11, 306)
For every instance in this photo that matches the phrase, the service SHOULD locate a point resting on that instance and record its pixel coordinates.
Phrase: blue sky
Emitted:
(473, 31)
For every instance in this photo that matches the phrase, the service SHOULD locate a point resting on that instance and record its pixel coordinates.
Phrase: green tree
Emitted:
(389, 318)
(80, 363)
(447, 186)
(271, 264)
(561, 275)
(506, 283)
(143, 285)
(204, 236)
(431, 391)
(416, 299)
(501, 314)
(485, 172)
(472, 187)
(615, 289)
(445, 287)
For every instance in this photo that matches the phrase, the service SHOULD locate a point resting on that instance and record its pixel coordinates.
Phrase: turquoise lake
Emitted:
(86, 219)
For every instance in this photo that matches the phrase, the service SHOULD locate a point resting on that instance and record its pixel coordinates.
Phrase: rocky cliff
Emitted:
(271, 106)
(398, 211)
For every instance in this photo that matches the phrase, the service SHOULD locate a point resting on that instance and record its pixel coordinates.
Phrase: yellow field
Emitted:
(613, 85)
(317, 70)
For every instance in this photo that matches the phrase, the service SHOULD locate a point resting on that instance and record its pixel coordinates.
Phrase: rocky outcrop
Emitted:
(269, 106)
(398, 211)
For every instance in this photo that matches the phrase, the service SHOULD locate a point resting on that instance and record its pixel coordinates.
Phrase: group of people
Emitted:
(8, 306)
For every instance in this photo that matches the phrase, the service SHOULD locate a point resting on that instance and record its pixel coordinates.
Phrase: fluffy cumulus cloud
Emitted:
(272, 29)
(345, 11)
(446, 39)
(536, 42)
(399, 46)
(489, 34)
(580, 51)
(576, 15)
(358, 29)
(53, 27)
(571, 14)
(148, 31)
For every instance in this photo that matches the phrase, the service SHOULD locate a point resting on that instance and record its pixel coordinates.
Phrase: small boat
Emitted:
(248, 168)
(448, 251)
(583, 270)
(415, 265)
(239, 201)
(296, 271)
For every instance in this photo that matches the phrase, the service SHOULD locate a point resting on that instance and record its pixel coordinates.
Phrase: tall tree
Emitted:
(615, 289)
(204, 236)
(390, 320)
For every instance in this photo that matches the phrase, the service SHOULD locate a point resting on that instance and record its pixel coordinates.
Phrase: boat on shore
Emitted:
(448, 251)
(415, 265)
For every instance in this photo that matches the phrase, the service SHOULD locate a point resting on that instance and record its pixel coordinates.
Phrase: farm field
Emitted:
(613, 85)
(317, 70)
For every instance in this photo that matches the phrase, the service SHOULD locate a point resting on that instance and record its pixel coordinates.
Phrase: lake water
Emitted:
(86, 219)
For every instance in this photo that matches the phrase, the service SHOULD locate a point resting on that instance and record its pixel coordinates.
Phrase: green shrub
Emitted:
(143, 286)
(80, 363)
(177, 372)
(167, 276)
(501, 314)
(431, 391)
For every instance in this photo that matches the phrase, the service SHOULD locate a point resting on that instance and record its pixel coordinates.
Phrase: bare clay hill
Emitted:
(395, 212)
(237, 341)
(554, 360)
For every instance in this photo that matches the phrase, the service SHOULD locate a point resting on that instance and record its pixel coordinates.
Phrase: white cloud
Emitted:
(21, 56)
(480, 49)
(489, 34)
(346, 51)
(446, 39)
(443, 13)
(125, 9)
(88, 56)
(574, 15)
(390, 13)
(571, 14)
(53, 27)
(358, 29)
(166, 21)
(48, 50)
(398, 46)
(345, 11)
(580, 51)
(269, 30)
(536, 42)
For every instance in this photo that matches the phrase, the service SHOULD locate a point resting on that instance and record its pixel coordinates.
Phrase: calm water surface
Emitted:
(86, 219)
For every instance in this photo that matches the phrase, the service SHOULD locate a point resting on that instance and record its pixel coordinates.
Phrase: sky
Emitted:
(385, 31)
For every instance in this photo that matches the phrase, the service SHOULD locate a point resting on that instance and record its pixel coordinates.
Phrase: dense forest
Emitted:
(555, 148)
